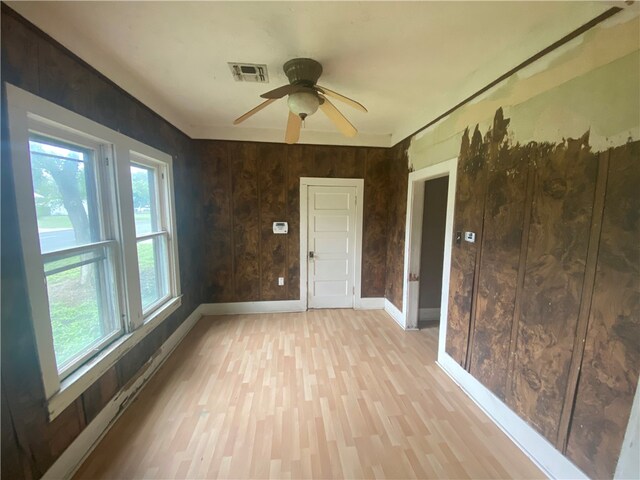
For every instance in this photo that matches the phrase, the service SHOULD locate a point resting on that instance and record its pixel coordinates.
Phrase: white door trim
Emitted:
(305, 183)
(413, 243)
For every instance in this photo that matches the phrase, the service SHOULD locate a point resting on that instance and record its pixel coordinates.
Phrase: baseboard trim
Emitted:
(237, 308)
(374, 303)
(393, 311)
(534, 445)
(72, 458)
(628, 463)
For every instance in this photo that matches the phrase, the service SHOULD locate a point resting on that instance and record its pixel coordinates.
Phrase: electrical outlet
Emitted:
(280, 281)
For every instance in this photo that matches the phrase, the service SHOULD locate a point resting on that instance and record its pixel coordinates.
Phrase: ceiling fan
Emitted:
(305, 97)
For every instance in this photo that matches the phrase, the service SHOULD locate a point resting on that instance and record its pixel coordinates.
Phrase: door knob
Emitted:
(311, 255)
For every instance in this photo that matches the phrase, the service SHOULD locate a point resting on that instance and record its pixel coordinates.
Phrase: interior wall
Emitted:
(247, 186)
(547, 294)
(398, 182)
(432, 247)
(527, 313)
(33, 61)
(590, 83)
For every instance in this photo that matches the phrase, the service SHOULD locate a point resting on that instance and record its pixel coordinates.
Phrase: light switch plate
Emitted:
(280, 281)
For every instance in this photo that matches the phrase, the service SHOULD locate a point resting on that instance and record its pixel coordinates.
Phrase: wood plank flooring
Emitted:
(321, 394)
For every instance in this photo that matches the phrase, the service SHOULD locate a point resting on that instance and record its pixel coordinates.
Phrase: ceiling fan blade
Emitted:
(254, 111)
(342, 98)
(293, 128)
(286, 90)
(338, 119)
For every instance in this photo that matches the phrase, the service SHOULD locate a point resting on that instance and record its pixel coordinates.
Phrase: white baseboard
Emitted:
(628, 463)
(71, 459)
(393, 311)
(429, 314)
(534, 445)
(369, 304)
(236, 308)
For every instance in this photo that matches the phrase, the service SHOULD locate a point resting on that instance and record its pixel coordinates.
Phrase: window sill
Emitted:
(77, 383)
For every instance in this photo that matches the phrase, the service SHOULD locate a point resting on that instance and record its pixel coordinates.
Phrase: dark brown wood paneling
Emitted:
(65, 428)
(108, 103)
(585, 301)
(396, 218)
(19, 55)
(217, 234)
(294, 172)
(558, 239)
(498, 273)
(611, 362)
(274, 173)
(468, 215)
(272, 204)
(331, 162)
(64, 81)
(374, 234)
(96, 397)
(245, 214)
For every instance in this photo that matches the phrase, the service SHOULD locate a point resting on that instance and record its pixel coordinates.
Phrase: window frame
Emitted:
(29, 113)
(103, 177)
(164, 209)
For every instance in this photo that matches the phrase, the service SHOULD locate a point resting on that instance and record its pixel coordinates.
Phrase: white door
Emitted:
(332, 244)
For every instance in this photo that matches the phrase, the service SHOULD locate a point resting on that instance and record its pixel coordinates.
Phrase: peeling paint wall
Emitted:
(549, 189)
(589, 84)
(543, 307)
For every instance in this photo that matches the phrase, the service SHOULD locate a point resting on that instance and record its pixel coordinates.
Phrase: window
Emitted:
(76, 252)
(147, 183)
(97, 224)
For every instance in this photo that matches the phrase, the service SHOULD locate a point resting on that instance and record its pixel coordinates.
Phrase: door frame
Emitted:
(305, 183)
(413, 244)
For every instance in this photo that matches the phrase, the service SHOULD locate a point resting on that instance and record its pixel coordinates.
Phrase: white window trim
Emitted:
(23, 106)
(166, 209)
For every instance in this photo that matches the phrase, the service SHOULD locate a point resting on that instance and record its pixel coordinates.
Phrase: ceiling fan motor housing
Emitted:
(302, 71)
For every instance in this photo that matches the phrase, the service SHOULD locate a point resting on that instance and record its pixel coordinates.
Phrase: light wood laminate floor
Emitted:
(321, 394)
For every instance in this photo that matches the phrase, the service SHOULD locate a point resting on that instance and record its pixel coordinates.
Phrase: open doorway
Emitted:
(432, 252)
(430, 202)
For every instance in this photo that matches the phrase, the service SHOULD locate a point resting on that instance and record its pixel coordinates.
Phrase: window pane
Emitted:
(64, 191)
(82, 305)
(145, 200)
(152, 261)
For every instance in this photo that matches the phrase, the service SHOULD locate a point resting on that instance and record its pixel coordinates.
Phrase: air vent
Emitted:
(249, 72)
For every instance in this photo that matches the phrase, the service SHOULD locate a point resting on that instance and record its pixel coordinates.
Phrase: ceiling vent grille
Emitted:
(249, 72)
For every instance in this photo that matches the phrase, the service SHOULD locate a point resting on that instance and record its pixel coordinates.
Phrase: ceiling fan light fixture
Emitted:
(303, 104)
(305, 96)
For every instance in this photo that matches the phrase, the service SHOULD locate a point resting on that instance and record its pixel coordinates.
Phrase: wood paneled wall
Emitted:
(611, 360)
(247, 186)
(396, 218)
(544, 307)
(33, 61)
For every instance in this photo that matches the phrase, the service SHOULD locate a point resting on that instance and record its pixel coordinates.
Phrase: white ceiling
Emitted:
(407, 62)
